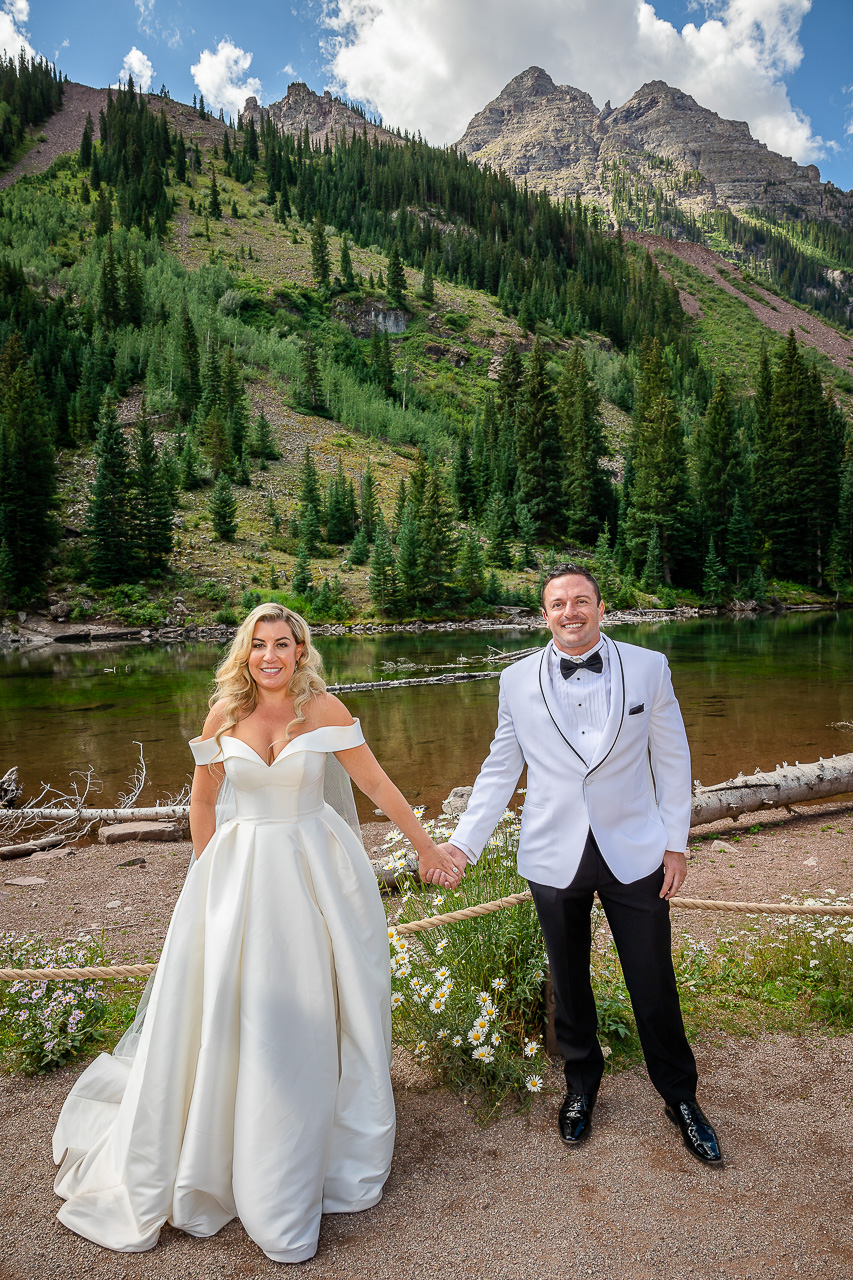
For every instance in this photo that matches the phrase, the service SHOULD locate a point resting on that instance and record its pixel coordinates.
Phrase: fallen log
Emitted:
(776, 789)
(30, 846)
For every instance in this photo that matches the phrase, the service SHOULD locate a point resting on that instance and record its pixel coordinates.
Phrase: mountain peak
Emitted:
(554, 136)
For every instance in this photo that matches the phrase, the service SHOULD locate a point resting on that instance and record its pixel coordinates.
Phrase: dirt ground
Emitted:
(507, 1201)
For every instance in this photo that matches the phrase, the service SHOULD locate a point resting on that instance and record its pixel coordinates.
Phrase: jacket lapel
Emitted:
(617, 706)
(548, 697)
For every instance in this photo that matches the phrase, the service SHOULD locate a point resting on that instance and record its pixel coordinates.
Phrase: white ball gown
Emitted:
(260, 1086)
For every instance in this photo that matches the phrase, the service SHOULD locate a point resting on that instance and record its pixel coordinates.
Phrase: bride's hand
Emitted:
(443, 865)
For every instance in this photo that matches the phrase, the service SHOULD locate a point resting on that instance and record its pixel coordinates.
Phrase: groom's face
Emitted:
(572, 613)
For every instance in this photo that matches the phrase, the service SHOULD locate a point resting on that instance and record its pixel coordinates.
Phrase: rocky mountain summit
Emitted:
(324, 116)
(660, 141)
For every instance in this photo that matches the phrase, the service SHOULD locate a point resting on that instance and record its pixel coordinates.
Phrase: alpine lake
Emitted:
(754, 690)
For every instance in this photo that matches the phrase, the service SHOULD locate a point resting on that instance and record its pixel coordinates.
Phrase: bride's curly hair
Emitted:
(234, 683)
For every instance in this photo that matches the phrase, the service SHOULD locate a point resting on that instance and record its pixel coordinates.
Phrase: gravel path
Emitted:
(507, 1201)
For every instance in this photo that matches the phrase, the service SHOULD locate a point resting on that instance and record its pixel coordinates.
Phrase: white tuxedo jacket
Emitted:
(634, 794)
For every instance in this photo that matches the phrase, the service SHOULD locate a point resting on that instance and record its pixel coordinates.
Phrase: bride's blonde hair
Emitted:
(234, 683)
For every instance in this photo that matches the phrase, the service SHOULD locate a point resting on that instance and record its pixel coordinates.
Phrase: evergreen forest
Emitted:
(373, 379)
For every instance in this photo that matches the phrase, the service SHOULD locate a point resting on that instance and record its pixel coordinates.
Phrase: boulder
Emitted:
(457, 802)
(25, 882)
(118, 832)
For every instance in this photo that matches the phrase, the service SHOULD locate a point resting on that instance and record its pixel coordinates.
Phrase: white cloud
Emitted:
(139, 65)
(19, 9)
(220, 77)
(288, 70)
(432, 65)
(12, 39)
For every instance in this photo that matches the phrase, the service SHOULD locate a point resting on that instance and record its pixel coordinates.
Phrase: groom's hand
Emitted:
(674, 873)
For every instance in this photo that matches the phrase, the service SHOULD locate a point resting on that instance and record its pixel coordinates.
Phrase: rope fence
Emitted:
(450, 917)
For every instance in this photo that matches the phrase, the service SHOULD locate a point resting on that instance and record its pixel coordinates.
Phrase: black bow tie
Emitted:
(594, 662)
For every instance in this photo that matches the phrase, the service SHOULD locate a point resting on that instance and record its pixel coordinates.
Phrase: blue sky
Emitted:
(784, 66)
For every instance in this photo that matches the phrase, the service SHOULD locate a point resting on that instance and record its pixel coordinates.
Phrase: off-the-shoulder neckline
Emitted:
(229, 737)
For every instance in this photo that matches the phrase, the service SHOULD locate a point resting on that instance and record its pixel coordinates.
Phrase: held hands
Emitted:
(674, 873)
(443, 865)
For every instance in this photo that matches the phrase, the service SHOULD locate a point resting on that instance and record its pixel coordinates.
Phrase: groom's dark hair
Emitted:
(562, 571)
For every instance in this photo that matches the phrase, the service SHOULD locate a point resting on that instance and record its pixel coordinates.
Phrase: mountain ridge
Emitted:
(555, 136)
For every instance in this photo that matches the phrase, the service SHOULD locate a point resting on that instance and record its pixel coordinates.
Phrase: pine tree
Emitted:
(346, 264)
(757, 589)
(659, 497)
(319, 253)
(223, 509)
(359, 552)
(132, 290)
(28, 528)
(471, 571)
(261, 440)
(463, 477)
(369, 504)
(301, 580)
(103, 207)
(214, 206)
(510, 379)
(309, 482)
(309, 529)
(215, 444)
(713, 576)
(527, 533)
(718, 464)
(437, 543)
(539, 449)
(400, 505)
(739, 556)
(190, 464)
(428, 281)
(604, 567)
(311, 388)
(588, 492)
(188, 381)
(109, 299)
(409, 558)
(85, 154)
(653, 569)
(109, 519)
(152, 505)
(396, 276)
(499, 531)
(381, 567)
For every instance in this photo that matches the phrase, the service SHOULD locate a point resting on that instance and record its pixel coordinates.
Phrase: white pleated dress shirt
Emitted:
(583, 698)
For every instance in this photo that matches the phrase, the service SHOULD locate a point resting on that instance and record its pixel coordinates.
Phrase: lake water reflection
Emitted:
(754, 691)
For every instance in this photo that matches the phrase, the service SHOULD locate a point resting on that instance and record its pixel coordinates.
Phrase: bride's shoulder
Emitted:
(326, 711)
(215, 719)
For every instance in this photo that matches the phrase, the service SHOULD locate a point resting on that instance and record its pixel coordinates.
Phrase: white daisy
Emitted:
(442, 974)
(442, 1033)
(456, 1041)
(396, 1000)
(476, 1036)
(482, 1023)
(483, 1054)
(496, 1039)
(531, 1048)
(499, 984)
(436, 1004)
(534, 1084)
(489, 1011)
(421, 1047)
(441, 946)
(483, 998)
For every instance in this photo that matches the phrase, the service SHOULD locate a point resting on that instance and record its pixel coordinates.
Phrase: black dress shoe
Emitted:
(575, 1118)
(696, 1130)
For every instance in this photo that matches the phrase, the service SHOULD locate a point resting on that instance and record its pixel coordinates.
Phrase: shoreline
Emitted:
(43, 631)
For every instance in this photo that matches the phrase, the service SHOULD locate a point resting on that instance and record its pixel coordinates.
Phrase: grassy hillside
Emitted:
(248, 279)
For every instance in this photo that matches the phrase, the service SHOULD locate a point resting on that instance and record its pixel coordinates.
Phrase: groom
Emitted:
(608, 810)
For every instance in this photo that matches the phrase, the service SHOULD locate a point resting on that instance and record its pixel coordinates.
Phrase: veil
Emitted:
(337, 790)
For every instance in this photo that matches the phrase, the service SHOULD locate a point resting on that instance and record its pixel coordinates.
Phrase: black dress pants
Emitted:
(639, 921)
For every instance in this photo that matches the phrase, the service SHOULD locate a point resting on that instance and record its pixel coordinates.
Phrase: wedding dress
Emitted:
(258, 1084)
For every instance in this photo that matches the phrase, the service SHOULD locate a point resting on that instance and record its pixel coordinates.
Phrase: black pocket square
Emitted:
(635, 711)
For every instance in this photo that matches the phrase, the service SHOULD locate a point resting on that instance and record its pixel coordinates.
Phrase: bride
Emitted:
(260, 1082)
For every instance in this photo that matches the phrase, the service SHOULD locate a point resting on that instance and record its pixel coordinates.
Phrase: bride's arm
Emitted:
(207, 780)
(369, 776)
